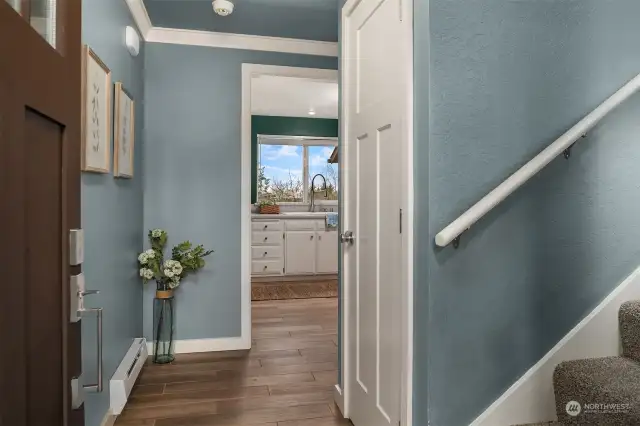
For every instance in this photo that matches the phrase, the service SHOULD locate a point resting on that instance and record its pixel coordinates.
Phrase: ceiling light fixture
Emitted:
(223, 7)
(312, 111)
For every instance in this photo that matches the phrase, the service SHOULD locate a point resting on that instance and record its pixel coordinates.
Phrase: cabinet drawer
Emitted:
(270, 267)
(267, 238)
(266, 252)
(304, 225)
(265, 226)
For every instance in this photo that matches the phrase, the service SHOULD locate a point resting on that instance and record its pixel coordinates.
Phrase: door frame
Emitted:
(248, 72)
(407, 194)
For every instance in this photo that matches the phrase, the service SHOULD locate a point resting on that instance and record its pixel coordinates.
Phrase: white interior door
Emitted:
(374, 84)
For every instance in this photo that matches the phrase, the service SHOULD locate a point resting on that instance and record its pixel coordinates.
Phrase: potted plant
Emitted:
(168, 274)
(268, 207)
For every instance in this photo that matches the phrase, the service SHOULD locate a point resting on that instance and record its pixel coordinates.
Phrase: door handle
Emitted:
(97, 387)
(347, 237)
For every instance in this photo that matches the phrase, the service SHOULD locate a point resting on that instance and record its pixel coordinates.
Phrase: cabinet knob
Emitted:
(265, 253)
(265, 267)
(265, 227)
(265, 238)
(312, 237)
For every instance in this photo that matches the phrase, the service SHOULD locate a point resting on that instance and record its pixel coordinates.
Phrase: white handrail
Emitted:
(526, 172)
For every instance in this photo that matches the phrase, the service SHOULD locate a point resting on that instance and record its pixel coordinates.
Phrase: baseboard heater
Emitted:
(125, 376)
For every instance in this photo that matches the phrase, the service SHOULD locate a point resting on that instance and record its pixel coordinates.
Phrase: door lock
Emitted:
(347, 237)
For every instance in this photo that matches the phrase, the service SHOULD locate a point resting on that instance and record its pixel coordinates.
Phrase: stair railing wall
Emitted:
(562, 145)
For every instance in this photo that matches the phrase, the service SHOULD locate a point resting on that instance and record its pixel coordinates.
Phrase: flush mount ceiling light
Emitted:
(223, 7)
(312, 111)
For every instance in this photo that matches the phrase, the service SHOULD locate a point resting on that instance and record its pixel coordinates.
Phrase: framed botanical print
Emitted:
(124, 133)
(96, 113)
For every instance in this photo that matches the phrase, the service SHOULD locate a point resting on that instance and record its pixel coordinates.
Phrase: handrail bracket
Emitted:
(456, 241)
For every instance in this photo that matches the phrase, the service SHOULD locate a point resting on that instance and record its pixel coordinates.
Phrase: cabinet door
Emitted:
(300, 256)
(327, 252)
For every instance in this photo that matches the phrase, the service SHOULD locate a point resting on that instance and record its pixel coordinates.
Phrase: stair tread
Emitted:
(609, 380)
(629, 319)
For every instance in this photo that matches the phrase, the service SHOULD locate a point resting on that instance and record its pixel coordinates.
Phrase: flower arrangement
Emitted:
(185, 259)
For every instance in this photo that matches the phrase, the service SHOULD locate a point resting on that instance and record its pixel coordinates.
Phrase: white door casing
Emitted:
(375, 162)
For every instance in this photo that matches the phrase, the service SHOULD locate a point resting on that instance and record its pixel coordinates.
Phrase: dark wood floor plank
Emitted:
(260, 417)
(241, 382)
(309, 359)
(323, 421)
(197, 396)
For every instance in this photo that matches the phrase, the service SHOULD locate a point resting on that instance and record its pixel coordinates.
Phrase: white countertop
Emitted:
(292, 215)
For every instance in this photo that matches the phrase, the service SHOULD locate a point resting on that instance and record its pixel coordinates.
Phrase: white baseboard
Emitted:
(338, 397)
(109, 419)
(531, 398)
(208, 345)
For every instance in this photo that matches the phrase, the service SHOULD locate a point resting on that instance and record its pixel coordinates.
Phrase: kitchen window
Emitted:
(287, 165)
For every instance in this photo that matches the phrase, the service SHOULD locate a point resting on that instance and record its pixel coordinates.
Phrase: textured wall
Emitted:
(112, 214)
(192, 173)
(497, 81)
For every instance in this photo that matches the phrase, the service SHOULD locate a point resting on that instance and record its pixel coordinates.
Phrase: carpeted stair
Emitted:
(606, 389)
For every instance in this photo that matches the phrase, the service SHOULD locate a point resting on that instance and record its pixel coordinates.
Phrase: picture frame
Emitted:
(124, 138)
(96, 113)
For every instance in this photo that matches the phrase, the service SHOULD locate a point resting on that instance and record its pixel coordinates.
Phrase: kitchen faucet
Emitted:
(313, 192)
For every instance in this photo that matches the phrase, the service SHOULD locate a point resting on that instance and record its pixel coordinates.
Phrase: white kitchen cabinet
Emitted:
(300, 252)
(326, 252)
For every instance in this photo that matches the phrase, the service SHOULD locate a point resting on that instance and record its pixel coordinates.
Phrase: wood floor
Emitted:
(287, 379)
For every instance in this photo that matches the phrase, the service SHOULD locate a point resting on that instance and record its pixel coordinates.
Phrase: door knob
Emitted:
(347, 237)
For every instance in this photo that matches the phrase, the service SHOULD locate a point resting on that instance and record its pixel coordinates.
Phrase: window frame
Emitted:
(305, 142)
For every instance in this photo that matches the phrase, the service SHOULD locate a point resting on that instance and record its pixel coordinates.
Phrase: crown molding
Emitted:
(225, 40)
(242, 41)
(139, 12)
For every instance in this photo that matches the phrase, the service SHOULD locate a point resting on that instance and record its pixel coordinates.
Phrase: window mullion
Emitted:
(305, 174)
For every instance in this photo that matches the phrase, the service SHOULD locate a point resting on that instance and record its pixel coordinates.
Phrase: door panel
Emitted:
(40, 189)
(43, 170)
(373, 158)
(300, 252)
(327, 252)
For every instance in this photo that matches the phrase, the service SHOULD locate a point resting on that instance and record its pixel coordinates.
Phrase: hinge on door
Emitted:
(400, 6)
(400, 220)
(283, 235)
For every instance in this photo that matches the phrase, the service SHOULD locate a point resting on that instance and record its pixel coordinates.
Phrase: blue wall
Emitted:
(192, 172)
(496, 81)
(112, 215)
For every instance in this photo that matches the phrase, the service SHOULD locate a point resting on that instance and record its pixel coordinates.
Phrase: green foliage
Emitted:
(185, 259)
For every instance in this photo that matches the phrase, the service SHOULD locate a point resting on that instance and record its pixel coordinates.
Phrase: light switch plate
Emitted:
(76, 247)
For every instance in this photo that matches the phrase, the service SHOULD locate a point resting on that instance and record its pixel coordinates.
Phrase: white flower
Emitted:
(156, 233)
(143, 258)
(150, 254)
(168, 273)
(146, 273)
(177, 269)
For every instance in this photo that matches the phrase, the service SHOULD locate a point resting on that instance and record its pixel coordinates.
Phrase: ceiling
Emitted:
(302, 19)
(293, 97)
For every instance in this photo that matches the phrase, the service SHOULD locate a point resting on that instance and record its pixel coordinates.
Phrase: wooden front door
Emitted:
(40, 109)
